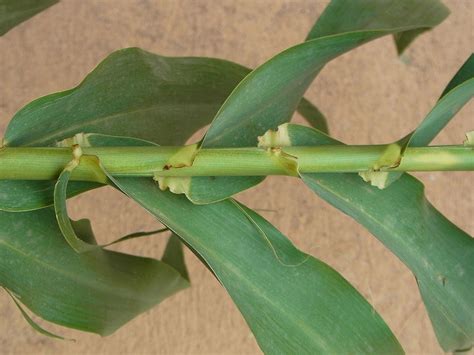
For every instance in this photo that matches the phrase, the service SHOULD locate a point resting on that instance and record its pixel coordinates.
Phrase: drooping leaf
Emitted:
(145, 92)
(174, 256)
(440, 255)
(96, 292)
(302, 306)
(269, 95)
(14, 12)
(64, 223)
(30, 321)
(132, 92)
(293, 302)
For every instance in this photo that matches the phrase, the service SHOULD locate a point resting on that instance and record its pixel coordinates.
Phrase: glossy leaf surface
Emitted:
(96, 292)
(293, 302)
(269, 95)
(132, 92)
(440, 255)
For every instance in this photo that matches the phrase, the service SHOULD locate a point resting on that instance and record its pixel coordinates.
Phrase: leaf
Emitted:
(458, 93)
(131, 92)
(66, 225)
(14, 12)
(291, 308)
(293, 302)
(137, 235)
(313, 116)
(269, 95)
(342, 16)
(60, 210)
(95, 292)
(174, 256)
(144, 92)
(30, 321)
(170, 99)
(23, 196)
(439, 254)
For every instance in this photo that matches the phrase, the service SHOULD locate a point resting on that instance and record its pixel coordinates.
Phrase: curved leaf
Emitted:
(95, 292)
(30, 321)
(14, 12)
(342, 16)
(458, 93)
(438, 253)
(269, 95)
(131, 92)
(293, 302)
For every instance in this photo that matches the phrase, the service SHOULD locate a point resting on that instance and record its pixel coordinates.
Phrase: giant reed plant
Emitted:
(125, 126)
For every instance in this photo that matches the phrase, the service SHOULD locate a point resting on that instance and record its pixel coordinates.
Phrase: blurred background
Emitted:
(368, 96)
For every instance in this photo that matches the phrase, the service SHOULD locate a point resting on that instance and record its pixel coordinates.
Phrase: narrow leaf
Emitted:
(30, 321)
(458, 93)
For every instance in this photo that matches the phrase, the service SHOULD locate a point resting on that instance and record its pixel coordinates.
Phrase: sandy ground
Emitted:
(369, 96)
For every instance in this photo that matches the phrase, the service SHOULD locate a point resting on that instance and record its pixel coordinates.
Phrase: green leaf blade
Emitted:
(14, 12)
(269, 95)
(438, 253)
(342, 16)
(145, 91)
(293, 302)
(95, 292)
(299, 307)
(458, 93)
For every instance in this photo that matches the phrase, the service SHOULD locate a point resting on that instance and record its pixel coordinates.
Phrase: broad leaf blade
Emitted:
(438, 253)
(14, 12)
(145, 91)
(269, 95)
(23, 196)
(170, 100)
(293, 302)
(95, 292)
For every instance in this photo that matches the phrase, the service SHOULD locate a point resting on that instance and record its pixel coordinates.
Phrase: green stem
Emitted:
(47, 163)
